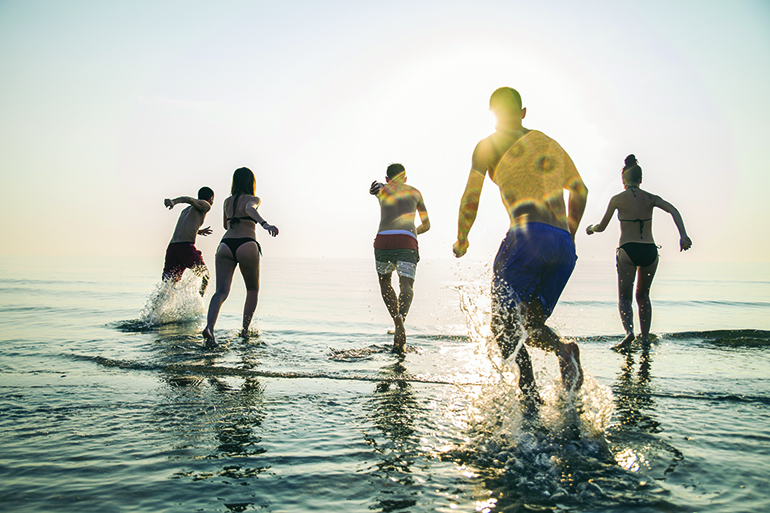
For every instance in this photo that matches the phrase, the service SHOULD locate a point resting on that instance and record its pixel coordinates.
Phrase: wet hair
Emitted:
(632, 172)
(243, 182)
(205, 193)
(505, 99)
(395, 170)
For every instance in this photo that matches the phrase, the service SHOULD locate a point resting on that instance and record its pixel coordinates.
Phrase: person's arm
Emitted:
(198, 204)
(469, 204)
(684, 241)
(578, 195)
(424, 219)
(602, 225)
(251, 211)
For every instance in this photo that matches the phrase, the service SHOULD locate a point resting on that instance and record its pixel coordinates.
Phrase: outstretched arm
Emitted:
(251, 211)
(594, 228)
(684, 241)
(199, 204)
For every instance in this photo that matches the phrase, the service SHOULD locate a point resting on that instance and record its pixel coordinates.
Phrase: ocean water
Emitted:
(109, 402)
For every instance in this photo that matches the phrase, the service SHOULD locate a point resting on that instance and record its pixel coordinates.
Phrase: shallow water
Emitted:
(110, 403)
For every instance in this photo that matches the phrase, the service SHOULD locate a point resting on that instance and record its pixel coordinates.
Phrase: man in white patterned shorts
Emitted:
(395, 247)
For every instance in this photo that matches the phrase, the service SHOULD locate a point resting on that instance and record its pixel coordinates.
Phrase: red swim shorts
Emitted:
(181, 256)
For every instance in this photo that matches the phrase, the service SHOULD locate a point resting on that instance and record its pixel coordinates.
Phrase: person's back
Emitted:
(190, 221)
(635, 207)
(246, 225)
(398, 206)
(531, 175)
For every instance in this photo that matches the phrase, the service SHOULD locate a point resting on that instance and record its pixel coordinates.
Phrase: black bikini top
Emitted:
(641, 224)
(235, 220)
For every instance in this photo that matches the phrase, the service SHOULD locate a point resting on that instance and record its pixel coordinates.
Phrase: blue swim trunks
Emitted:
(533, 262)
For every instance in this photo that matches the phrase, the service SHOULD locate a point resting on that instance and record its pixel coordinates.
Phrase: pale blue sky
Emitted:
(106, 108)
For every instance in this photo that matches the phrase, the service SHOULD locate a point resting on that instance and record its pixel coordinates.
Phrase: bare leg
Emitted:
(249, 260)
(392, 304)
(568, 354)
(225, 267)
(203, 272)
(506, 328)
(626, 272)
(643, 284)
(405, 295)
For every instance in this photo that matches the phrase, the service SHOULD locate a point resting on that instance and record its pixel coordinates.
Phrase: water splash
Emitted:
(535, 454)
(173, 302)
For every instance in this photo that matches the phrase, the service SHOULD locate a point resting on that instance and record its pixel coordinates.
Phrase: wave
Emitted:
(216, 370)
(735, 338)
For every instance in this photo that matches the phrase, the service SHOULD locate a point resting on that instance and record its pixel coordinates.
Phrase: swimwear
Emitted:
(396, 239)
(236, 242)
(396, 250)
(641, 224)
(181, 256)
(534, 261)
(641, 254)
(247, 218)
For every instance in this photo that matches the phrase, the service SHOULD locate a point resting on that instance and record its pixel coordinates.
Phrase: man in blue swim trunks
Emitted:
(538, 254)
(395, 247)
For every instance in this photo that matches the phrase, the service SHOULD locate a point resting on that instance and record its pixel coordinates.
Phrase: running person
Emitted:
(181, 253)
(637, 253)
(238, 248)
(537, 256)
(395, 247)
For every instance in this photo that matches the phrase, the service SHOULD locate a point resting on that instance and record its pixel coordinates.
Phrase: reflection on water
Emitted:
(394, 410)
(212, 417)
(635, 438)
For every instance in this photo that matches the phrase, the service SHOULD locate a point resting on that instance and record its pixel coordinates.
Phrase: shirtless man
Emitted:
(181, 253)
(395, 247)
(537, 255)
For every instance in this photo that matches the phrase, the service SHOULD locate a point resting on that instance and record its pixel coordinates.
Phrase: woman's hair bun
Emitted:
(631, 160)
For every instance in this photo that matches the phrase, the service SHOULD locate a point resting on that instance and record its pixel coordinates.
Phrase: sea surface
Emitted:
(109, 401)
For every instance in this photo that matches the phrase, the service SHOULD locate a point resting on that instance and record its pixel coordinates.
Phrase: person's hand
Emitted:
(168, 203)
(685, 243)
(205, 231)
(590, 229)
(376, 187)
(272, 230)
(460, 248)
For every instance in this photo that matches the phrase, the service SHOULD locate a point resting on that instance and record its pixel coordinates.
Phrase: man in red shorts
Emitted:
(395, 247)
(182, 253)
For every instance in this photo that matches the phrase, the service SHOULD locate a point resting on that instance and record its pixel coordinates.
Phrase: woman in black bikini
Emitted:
(637, 254)
(239, 247)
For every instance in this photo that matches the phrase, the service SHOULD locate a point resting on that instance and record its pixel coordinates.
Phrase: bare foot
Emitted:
(244, 333)
(625, 343)
(208, 336)
(399, 336)
(569, 365)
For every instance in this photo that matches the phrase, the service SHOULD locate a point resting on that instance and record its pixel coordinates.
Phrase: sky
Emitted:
(107, 108)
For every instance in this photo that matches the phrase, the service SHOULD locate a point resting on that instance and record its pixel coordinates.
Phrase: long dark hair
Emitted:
(243, 183)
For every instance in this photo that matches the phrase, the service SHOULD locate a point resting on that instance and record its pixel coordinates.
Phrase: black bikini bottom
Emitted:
(641, 254)
(235, 243)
